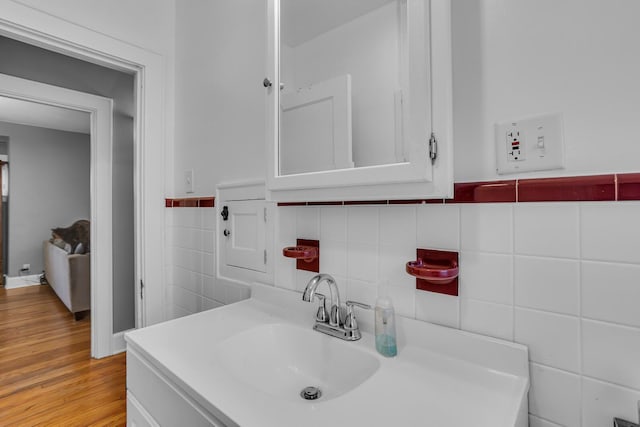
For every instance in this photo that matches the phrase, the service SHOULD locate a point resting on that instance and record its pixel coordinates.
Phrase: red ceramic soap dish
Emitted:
(435, 271)
(305, 253)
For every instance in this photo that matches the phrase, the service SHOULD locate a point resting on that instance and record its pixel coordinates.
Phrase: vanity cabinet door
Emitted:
(137, 416)
(157, 401)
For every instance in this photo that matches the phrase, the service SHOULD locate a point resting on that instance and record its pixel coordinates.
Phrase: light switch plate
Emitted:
(530, 144)
(188, 181)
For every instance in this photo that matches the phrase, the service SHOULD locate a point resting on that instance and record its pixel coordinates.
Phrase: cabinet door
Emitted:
(397, 55)
(137, 416)
(245, 235)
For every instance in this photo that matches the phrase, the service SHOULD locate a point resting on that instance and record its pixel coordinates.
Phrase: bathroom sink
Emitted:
(246, 364)
(283, 359)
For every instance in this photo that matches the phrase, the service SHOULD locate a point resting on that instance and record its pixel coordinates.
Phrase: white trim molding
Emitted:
(21, 281)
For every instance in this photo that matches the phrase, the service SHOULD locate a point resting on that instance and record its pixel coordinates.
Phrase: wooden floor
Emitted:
(47, 377)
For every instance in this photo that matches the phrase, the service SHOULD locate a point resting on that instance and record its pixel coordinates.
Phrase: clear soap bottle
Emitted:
(385, 327)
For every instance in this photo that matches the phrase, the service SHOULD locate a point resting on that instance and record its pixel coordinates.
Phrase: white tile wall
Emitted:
(486, 276)
(486, 227)
(487, 318)
(562, 278)
(551, 284)
(538, 224)
(610, 232)
(529, 272)
(611, 292)
(555, 395)
(600, 340)
(601, 402)
(539, 422)
(190, 271)
(553, 339)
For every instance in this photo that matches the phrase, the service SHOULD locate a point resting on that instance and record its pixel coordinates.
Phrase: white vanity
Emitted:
(246, 364)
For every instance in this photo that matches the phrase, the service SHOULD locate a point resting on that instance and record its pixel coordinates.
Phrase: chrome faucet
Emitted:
(310, 291)
(347, 328)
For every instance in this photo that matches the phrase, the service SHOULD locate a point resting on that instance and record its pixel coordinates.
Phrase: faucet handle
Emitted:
(321, 314)
(350, 322)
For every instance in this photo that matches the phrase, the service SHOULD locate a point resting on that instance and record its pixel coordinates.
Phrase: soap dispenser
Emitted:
(385, 325)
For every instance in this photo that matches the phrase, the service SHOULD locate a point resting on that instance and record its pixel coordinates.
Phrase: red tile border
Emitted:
(628, 186)
(484, 192)
(366, 202)
(292, 203)
(192, 202)
(568, 189)
(325, 203)
(207, 202)
(590, 188)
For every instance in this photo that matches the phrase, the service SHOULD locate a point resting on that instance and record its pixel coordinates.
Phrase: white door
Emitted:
(245, 235)
(316, 127)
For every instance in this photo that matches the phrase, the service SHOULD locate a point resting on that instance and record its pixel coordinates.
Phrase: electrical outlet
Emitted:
(515, 145)
(26, 267)
(530, 144)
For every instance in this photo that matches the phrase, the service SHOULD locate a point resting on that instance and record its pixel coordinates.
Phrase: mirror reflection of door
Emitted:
(327, 126)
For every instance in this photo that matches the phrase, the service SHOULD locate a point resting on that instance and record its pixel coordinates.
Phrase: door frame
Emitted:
(41, 29)
(100, 111)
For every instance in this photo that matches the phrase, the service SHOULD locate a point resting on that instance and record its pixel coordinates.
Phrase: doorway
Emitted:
(47, 145)
(100, 114)
(147, 68)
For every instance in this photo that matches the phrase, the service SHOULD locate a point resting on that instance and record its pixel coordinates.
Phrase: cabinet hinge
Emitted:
(141, 288)
(265, 256)
(433, 148)
(265, 214)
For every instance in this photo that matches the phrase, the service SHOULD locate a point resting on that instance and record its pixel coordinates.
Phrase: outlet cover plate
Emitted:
(530, 144)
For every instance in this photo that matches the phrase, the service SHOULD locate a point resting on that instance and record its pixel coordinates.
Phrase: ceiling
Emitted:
(41, 115)
(303, 20)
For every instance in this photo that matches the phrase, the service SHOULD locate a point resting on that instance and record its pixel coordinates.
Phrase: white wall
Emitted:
(192, 286)
(144, 23)
(511, 58)
(149, 24)
(220, 104)
(48, 188)
(514, 58)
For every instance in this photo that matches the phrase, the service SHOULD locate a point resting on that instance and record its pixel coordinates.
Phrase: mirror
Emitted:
(343, 77)
(355, 92)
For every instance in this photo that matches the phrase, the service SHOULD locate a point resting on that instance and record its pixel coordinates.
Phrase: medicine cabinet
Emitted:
(359, 100)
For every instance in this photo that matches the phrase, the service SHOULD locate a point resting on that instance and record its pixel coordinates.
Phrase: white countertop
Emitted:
(440, 377)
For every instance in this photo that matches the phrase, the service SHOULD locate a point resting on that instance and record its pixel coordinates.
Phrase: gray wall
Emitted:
(33, 63)
(48, 186)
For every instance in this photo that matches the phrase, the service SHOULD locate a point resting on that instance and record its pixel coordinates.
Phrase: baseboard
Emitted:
(21, 281)
(118, 344)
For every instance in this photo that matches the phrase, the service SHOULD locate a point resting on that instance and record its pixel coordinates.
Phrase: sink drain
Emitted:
(310, 393)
